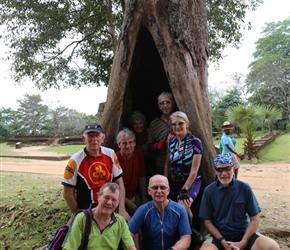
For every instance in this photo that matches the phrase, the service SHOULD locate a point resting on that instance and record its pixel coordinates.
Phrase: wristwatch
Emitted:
(220, 239)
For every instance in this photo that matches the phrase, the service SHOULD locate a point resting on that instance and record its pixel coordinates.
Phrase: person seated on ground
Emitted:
(89, 169)
(108, 228)
(231, 212)
(164, 223)
(138, 125)
(132, 161)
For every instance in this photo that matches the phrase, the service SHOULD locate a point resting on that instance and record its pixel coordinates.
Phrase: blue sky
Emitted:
(88, 98)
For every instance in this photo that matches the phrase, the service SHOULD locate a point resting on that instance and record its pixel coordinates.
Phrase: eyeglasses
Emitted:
(158, 187)
(227, 168)
(164, 103)
(177, 124)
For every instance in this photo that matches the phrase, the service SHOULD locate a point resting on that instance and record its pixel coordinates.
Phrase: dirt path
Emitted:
(30, 165)
(270, 182)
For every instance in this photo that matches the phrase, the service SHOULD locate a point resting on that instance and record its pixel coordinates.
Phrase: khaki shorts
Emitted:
(235, 160)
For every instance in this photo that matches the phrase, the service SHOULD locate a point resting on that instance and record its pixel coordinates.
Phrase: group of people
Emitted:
(136, 210)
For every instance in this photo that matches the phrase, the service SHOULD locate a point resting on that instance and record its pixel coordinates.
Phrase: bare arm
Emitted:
(183, 243)
(187, 204)
(212, 229)
(69, 197)
(193, 171)
(132, 248)
(252, 228)
(233, 151)
(122, 210)
(215, 233)
(143, 189)
(167, 166)
(136, 240)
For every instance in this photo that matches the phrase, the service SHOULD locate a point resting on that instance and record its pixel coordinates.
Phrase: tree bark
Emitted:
(178, 30)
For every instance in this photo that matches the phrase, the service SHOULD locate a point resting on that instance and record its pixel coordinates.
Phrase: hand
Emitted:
(162, 144)
(170, 135)
(183, 195)
(186, 203)
(237, 245)
(228, 245)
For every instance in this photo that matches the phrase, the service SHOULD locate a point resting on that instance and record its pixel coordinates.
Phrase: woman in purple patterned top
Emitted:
(184, 154)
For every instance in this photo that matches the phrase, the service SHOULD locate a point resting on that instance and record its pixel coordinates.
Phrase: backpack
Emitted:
(62, 231)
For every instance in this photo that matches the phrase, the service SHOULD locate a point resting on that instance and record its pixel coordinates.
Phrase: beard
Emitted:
(225, 181)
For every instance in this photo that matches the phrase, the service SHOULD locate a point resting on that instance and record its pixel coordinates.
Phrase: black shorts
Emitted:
(237, 239)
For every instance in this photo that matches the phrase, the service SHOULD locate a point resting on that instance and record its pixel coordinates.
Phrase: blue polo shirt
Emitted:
(230, 207)
(160, 232)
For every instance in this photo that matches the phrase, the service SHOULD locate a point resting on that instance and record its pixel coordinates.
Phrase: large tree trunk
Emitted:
(162, 47)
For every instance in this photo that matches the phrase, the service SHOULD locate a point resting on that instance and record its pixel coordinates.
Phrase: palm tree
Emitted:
(271, 114)
(248, 118)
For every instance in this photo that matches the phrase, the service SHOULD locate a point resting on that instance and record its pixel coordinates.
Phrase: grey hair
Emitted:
(180, 115)
(127, 133)
(137, 115)
(166, 93)
(112, 186)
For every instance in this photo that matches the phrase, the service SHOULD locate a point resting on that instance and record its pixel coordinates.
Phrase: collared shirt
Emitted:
(160, 232)
(87, 174)
(229, 208)
(109, 238)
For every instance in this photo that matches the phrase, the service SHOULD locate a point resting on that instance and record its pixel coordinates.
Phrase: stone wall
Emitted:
(41, 140)
(264, 141)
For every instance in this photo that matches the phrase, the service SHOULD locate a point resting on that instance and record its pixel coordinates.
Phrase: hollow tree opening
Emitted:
(147, 79)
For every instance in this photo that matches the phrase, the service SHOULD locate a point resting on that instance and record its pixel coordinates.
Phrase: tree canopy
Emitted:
(33, 117)
(33, 113)
(72, 43)
(269, 79)
(231, 98)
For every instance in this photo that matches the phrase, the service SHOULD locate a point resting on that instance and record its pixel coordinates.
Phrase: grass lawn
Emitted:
(62, 149)
(5, 149)
(66, 149)
(279, 150)
(240, 141)
(32, 208)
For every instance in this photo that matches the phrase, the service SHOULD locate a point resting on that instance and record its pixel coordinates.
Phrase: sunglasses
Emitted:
(227, 168)
(177, 124)
(158, 187)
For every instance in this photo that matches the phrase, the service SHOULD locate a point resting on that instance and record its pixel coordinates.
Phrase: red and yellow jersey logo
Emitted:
(70, 169)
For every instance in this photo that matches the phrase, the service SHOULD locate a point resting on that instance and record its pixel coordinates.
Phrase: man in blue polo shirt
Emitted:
(231, 212)
(164, 223)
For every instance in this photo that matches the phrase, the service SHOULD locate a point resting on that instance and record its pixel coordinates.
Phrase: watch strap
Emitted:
(220, 239)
